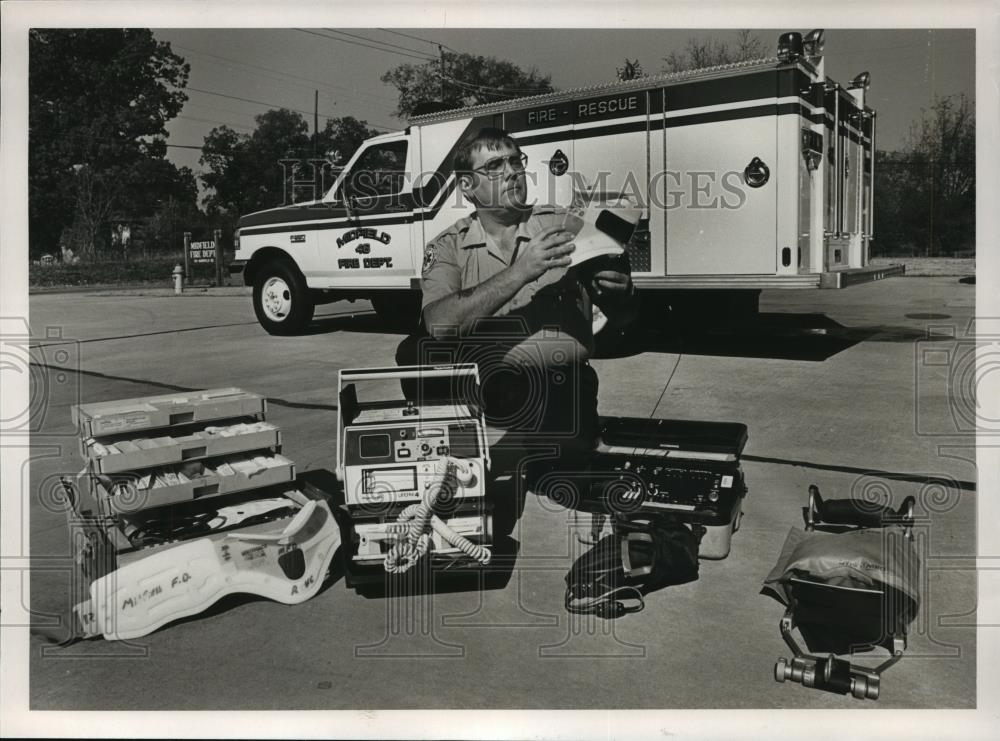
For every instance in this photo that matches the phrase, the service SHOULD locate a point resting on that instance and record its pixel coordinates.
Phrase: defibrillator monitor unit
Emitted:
(387, 448)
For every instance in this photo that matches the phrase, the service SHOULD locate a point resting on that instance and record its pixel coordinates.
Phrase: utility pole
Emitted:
(441, 52)
(315, 120)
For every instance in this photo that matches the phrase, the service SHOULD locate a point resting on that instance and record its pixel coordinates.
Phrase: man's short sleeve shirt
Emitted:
(462, 257)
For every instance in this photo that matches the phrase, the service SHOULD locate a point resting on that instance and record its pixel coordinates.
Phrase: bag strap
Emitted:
(606, 605)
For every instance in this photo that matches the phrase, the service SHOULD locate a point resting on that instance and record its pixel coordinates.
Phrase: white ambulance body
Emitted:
(755, 175)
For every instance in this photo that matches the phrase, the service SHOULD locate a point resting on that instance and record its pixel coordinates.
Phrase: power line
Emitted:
(369, 46)
(257, 74)
(196, 104)
(256, 102)
(381, 45)
(417, 38)
(477, 89)
(503, 90)
(379, 126)
(212, 120)
(374, 41)
(373, 125)
(88, 137)
(385, 128)
(322, 85)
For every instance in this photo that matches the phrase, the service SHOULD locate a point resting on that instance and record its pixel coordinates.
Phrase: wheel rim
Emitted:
(276, 299)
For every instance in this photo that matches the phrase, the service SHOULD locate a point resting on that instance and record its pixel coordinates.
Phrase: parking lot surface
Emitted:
(837, 388)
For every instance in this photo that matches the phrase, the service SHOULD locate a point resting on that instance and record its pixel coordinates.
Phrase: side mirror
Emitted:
(346, 193)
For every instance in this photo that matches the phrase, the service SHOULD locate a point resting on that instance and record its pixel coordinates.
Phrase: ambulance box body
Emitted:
(754, 175)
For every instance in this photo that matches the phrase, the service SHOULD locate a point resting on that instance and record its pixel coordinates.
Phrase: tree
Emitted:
(164, 230)
(95, 195)
(708, 52)
(341, 138)
(99, 100)
(926, 193)
(631, 71)
(245, 173)
(467, 80)
(892, 234)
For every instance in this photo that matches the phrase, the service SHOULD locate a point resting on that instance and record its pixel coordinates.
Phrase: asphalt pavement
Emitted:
(858, 391)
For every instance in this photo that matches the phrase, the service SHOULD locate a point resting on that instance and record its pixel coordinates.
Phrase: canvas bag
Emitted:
(872, 558)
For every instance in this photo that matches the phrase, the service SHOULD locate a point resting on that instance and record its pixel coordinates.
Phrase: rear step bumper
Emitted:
(853, 276)
(832, 279)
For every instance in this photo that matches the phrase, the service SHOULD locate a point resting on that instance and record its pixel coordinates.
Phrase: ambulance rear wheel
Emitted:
(281, 299)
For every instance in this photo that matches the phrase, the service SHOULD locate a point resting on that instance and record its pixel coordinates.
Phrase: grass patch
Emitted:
(152, 270)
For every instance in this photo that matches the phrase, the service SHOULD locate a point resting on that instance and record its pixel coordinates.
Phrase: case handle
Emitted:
(853, 512)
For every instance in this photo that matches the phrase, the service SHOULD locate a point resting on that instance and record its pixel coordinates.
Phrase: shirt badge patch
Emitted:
(430, 255)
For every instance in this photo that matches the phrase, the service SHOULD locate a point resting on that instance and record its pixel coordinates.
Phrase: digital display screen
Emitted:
(375, 446)
(392, 479)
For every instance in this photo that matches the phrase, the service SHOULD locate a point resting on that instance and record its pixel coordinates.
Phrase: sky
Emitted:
(282, 67)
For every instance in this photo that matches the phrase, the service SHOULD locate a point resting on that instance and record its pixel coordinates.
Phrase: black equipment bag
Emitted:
(638, 557)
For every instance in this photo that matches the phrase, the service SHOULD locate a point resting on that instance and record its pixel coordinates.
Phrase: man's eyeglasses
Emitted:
(494, 168)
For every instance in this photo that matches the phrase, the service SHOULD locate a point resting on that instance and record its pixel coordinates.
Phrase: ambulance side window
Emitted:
(379, 171)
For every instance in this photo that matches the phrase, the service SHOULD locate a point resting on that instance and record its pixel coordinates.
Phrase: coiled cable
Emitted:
(419, 519)
(474, 551)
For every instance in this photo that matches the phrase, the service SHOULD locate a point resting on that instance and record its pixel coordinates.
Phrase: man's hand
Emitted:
(614, 293)
(611, 282)
(548, 249)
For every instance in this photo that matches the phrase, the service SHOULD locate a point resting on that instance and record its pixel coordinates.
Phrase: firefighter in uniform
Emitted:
(497, 285)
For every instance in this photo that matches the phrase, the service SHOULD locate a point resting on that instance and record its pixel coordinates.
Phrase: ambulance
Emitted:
(753, 175)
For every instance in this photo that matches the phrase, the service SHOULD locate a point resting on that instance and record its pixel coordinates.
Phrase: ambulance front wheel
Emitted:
(281, 299)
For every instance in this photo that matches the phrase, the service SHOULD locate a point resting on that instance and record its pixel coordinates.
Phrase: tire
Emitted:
(281, 299)
(398, 310)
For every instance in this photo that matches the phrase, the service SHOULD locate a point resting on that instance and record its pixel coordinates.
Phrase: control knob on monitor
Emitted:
(465, 475)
